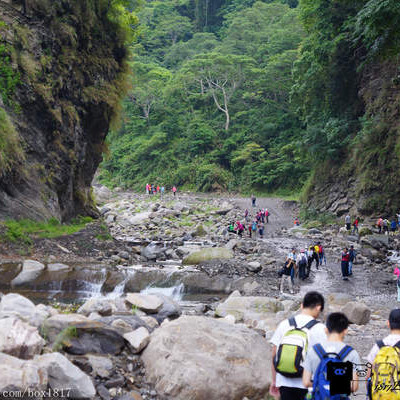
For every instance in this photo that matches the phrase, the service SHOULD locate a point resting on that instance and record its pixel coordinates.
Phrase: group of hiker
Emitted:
(383, 225)
(255, 226)
(310, 360)
(299, 264)
(156, 189)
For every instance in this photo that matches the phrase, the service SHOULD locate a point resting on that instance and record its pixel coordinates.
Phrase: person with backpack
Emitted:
(310, 258)
(239, 228)
(321, 254)
(302, 264)
(286, 276)
(384, 359)
(386, 224)
(267, 214)
(334, 350)
(298, 333)
(253, 200)
(246, 215)
(352, 258)
(254, 228)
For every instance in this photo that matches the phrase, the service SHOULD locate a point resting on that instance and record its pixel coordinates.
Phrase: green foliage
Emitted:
(11, 151)
(211, 110)
(25, 230)
(9, 78)
(63, 338)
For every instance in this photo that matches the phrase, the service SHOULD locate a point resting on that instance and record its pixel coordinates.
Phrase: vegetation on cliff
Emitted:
(63, 72)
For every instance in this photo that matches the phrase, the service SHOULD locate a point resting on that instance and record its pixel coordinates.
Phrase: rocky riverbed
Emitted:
(168, 304)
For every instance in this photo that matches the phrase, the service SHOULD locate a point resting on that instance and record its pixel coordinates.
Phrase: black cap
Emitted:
(394, 318)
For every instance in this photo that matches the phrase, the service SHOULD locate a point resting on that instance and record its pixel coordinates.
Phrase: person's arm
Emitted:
(354, 382)
(307, 382)
(273, 390)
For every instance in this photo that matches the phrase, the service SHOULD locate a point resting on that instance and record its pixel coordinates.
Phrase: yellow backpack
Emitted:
(385, 377)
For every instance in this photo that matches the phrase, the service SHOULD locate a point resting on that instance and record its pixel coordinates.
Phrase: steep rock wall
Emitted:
(69, 63)
(367, 180)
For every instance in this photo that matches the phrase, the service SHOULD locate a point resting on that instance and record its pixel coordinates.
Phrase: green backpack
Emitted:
(293, 349)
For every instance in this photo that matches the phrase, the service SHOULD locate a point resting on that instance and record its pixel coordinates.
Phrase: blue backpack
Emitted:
(321, 383)
(254, 227)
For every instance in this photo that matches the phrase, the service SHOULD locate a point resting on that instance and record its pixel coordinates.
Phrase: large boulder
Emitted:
(19, 339)
(101, 306)
(201, 358)
(208, 254)
(123, 323)
(31, 269)
(357, 313)
(137, 219)
(63, 375)
(19, 375)
(14, 304)
(53, 326)
(92, 337)
(249, 309)
(145, 302)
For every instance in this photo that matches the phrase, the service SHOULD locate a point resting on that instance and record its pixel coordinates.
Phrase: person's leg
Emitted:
(282, 283)
(350, 267)
(288, 393)
(290, 284)
(344, 269)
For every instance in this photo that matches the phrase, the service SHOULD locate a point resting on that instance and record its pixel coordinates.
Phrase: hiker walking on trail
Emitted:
(174, 189)
(266, 215)
(302, 264)
(239, 228)
(286, 275)
(345, 264)
(254, 228)
(147, 188)
(321, 253)
(333, 350)
(310, 258)
(316, 255)
(246, 215)
(385, 360)
(261, 229)
(253, 200)
(355, 226)
(352, 258)
(385, 226)
(298, 333)
(263, 215)
(393, 226)
(293, 256)
(162, 191)
(397, 273)
(347, 221)
(379, 224)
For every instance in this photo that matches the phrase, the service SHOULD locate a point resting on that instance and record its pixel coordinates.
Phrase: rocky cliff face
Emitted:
(367, 180)
(67, 61)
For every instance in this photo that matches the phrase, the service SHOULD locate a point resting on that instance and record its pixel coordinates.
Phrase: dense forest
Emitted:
(242, 95)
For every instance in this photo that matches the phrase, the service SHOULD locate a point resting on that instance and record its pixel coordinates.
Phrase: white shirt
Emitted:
(316, 335)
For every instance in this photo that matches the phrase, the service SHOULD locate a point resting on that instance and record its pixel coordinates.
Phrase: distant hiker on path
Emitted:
(286, 275)
(355, 226)
(246, 215)
(345, 264)
(352, 258)
(254, 228)
(386, 226)
(347, 221)
(261, 230)
(174, 190)
(239, 228)
(266, 215)
(148, 189)
(162, 191)
(253, 200)
(393, 226)
(379, 224)
(302, 264)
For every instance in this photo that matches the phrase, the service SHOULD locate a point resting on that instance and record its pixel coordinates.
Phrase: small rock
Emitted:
(101, 306)
(253, 266)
